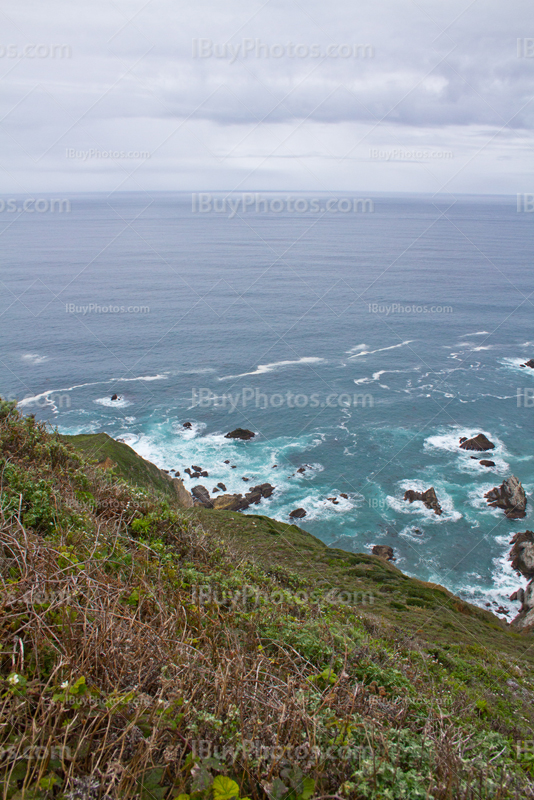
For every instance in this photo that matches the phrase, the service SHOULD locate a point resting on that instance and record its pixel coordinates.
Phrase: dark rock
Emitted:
(177, 473)
(188, 471)
(474, 457)
(486, 463)
(331, 499)
(383, 551)
(204, 474)
(187, 425)
(274, 466)
(227, 461)
(344, 496)
(195, 468)
(115, 397)
(233, 466)
(222, 487)
(240, 433)
(510, 496)
(463, 439)
(196, 475)
(245, 479)
(529, 363)
(201, 494)
(298, 513)
(166, 470)
(215, 489)
(427, 497)
(502, 610)
(522, 553)
(301, 469)
(518, 596)
(478, 442)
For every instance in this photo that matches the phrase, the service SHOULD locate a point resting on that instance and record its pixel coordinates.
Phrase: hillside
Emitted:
(154, 651)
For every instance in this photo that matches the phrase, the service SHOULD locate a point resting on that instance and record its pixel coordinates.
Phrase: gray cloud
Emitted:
(437, 76)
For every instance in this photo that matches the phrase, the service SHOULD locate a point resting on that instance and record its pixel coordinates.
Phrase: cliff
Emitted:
(155, 651)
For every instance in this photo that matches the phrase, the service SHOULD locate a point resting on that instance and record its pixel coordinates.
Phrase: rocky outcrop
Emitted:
(477, 443)
(115, 397)
(522, 558)
(522, 553)
(202, 496)
(529, 363)
(183, 497)
(238, 502)
(187, 425)
(486, 463)
(428, 498)
(298, 513)
(510, 496)
(240, 433)
(383, 551)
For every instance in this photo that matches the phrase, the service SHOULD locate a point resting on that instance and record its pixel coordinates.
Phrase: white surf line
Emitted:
(381, 349)
(261, 369)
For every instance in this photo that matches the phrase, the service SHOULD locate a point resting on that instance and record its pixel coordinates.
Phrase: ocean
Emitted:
(360, 345)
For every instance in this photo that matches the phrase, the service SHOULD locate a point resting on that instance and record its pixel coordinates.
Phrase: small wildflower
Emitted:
(14, 679)
(65, 685)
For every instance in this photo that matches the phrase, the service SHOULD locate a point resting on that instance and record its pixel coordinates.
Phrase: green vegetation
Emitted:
(156, 652)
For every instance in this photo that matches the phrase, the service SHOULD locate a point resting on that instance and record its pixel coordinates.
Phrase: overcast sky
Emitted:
(346, 95)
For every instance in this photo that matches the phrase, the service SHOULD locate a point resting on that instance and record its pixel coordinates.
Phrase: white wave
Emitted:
(478, 333)
(140, 378)
(409, 532)
(356, 348)
(109, 403)
(381, 349)
(33, 358)
(261, 369)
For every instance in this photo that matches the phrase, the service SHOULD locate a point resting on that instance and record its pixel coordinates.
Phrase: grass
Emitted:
(154, 652)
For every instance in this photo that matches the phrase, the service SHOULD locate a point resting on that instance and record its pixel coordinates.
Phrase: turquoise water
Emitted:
(263, 305)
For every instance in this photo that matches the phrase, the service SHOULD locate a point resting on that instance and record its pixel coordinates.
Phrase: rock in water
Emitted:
(187, 425)
(383, 551)
(476, 443)
(522, 558)
(222, 487)
(428, 498)
(240, 433)
(522, 553)
(115, 397)
(486, 463)
(529, 363)
(510, 496)
(298, 513)
(479, 442)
